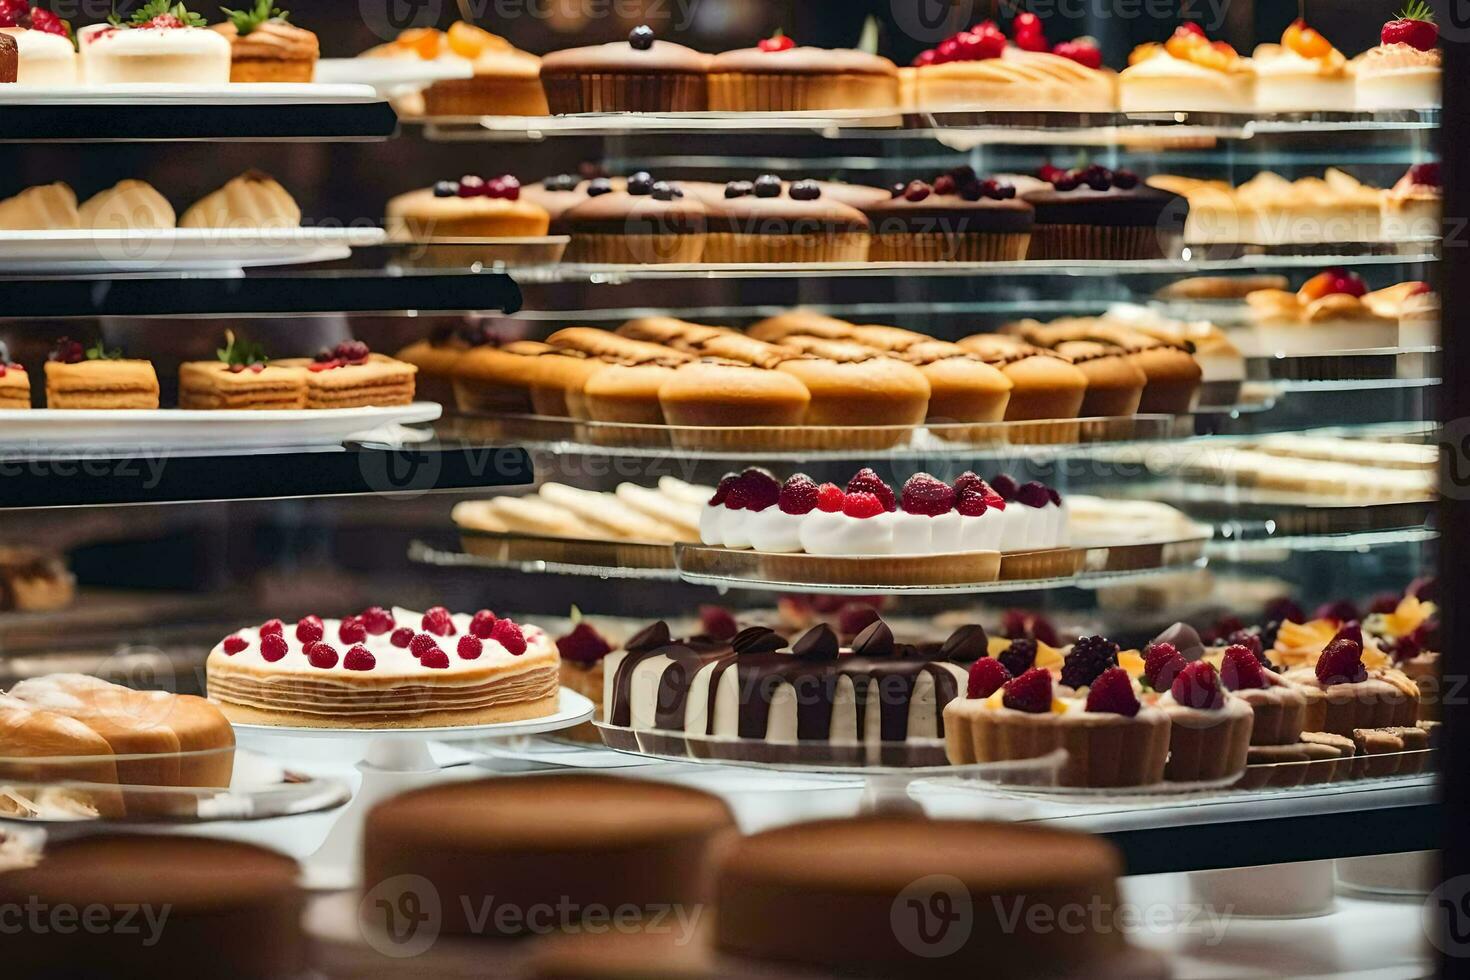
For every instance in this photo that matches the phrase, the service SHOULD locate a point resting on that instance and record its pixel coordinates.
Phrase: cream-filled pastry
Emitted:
(128, 205)
(251, 200)
(41, 208)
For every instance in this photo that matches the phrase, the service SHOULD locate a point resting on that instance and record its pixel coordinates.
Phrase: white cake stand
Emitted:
(393, 761)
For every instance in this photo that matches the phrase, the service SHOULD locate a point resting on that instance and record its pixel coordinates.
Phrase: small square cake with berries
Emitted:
(351, 376)
(15, 383)
(241, 377)
(94, 377)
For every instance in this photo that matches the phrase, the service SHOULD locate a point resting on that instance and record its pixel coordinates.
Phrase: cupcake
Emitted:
(559, 193)
(1095, 213)
(1209, 728)
(471, 207)
(1278, 706)
(640, 74)
(647, 222)
(755, 222)
(1187, 73)
(1403, 71)
(266, 47)
(1304, 73)
(778, 76)
(958, 218)
(1044, 384)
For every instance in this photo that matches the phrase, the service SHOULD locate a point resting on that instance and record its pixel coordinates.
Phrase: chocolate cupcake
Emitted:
(958, 218)
(640, 74)
(1096, 213)
(777, 76)
(647, 222)
(756, 222)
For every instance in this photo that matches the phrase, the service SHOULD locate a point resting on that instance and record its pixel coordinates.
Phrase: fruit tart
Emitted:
(80, 377)
(1343, 694)
(160, 42)
(1279, 706)
(42, 52)
(266, 47)
(1111, 737)
(1403, 70)
(1210, 728)
(1187, 73)
(1304, 73)
(583, 652)
(15, 382)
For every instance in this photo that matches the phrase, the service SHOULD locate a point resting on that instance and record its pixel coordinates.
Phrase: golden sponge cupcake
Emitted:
(641, 74)
(1343, 694)
(778, 76)
(957, 218)
(1044, 384)
(756, 222)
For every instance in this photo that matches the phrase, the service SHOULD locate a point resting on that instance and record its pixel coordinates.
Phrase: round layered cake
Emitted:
(383, 669)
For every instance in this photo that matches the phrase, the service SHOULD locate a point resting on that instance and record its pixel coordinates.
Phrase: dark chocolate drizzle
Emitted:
(757, 639)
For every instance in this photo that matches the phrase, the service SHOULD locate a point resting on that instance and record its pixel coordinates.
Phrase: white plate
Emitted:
(108, 250)
(242, 93)
(391, 75)
(182, 430)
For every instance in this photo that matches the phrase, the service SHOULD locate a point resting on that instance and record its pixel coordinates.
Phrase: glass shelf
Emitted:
(224, 116)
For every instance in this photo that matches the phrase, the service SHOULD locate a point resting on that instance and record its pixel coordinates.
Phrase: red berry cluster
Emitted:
(345, 354)
(1095, 177)
(986, 40)
(16, 13)
(961, 181)
(505, 187)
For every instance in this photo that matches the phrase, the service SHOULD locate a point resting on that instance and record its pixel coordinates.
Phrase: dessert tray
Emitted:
(105, 251)
(43, 430)
(175, 93)
(260, 789)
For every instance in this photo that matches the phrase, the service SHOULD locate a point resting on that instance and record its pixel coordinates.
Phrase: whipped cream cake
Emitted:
(754, 697)
(43, 57)
(386, 669)
(159, 43)
(1403, 71)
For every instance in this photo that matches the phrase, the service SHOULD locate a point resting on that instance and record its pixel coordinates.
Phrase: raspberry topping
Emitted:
(272, 647)
(322, 655)
(1283, 610)
(1015, 623)
(776, 42)
(1112, 693)
(1239, 669)
(1198, 686)
(1162, 662)
(584, 645)
(829, 498)
(234, 644)
(718, 622)
(1081, 50)
(359, 658)
(436, 659)
(509, 635)
(1089, 657)
(309, 629)
(421, 644)
(1343, 611)
(352, 630)
(1030, 692)
(755, 490)
(1033, 494)
(798, 495)
(855, 617)
(1005, 485)
(970, 502)
(862, 504)
(968, 481)
(986, 677)
(376, 620)
(272, 626)
(401, 637)
(722, 490)
(1019, 657)
(470, 647)
(1245, 638)
(866, 481)
(438, 621)
(923, 494)
(481, 623)
(1342, 662)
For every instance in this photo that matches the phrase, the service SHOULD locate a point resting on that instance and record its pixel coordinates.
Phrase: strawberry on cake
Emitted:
(386, 669)
(1402, 72)
(44, 52)
(160, 42)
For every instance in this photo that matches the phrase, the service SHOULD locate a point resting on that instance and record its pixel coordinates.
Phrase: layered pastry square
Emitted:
(101, 383)
(374, 379)
(214, 384)
(15, 385)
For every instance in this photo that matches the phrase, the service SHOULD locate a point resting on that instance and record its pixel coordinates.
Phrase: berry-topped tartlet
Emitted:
(95, 377)
(957, 218)
(1304, 73)
(385, 669)
(647, 221)
(768, 220)
(471, 207)
(1403, 71)
(1279, 706)
(1097, 213)
(241, 377)
(1187, 73)
(1413, 207)
(15, 382)
(352, 376)
(778, 76)
(1210, 728)
(43, 53)
(266, 47)
(977, 69)
(1343, 694)
(641, 74)
(160, 42)
(584, 651)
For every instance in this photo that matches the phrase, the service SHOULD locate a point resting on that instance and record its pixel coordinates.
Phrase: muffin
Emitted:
(506, 80)
(756, 222)
(778, 76)
(1172, 376)
(470, 207)
(1114, 383)
(718, 393)
(494, 379)
(1045, 385)
(558, 193)
(640, 74)
(266, 47)
(1096, 213)
(648, 222)
(958, 218)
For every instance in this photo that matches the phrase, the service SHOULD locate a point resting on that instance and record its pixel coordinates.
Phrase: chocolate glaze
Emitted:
(818, 644)
(966, 645)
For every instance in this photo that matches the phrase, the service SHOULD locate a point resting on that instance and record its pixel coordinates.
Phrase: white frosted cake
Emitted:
(43, 58)
(163, 49)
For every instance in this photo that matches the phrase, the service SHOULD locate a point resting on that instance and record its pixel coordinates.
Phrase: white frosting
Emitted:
(710, 524)
(838, 534)
(775, 530)
(735, 528)
(1017, 522)
(982, 533)
(43, 58)
(392, 661)
(191, 55)
(913, 534)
